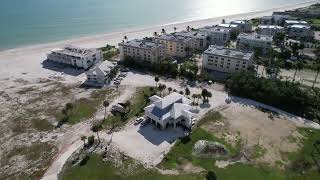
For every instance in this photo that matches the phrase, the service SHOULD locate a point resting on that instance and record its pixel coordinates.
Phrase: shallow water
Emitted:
(26, 22)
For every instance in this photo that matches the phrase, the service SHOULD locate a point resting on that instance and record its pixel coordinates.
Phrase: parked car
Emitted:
(138, 120)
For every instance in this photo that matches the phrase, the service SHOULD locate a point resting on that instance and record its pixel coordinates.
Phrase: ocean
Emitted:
(29, 22)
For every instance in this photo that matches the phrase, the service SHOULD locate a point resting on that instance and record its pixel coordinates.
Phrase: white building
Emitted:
(244, 25)
(226, 60)
(217, 35)
(269, 30)
(300, 32)
(99, 74)
(75, 56)
(199, 39)
(169, 111)
(251, 42)
(142, 50)
(175, 45)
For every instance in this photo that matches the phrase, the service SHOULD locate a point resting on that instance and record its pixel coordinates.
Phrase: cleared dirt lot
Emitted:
(263, 136)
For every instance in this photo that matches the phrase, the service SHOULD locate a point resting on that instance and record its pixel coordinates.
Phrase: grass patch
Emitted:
(96, 169)
(135, 109)
(211, 116)
(41, 124)
(183, 151)
(85, 108)
(259, 151)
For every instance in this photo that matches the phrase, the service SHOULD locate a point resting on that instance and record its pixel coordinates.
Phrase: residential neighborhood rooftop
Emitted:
(228, 25)
(171, 37)
(143, 44)
(75, 51)
(270, 27)
(257, 37)
(192, 34)
(228, 52)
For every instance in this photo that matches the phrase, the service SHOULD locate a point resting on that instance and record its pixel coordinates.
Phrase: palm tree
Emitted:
(204, 94)
(155, 34)
(188, 28)
(298, 67)
(194, 96)
(125, 38)
(163, 31)
(105, 105)
(223, 21)
(175, 29)
(161, 88)
(83, 138)
(157, 80)
(187, 92)
(169, 90)
(317, 68)
(198, 98)
(181, 92)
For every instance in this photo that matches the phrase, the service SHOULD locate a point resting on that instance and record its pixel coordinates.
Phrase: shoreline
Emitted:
(168, 26)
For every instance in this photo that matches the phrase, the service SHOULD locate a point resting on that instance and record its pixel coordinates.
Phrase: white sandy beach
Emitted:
(25, 63)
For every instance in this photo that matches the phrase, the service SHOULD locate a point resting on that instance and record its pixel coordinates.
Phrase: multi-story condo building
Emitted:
(269, 30)
(175, 45)
(75, 56)
(226, 60)
(143, 50)
(251, 42)
(217, 35)
(300, 32)
(279, 17)
(244, 25)
(199, 39)
(267, 20)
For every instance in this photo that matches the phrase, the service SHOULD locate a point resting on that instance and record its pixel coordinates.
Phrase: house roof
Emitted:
(173, 105)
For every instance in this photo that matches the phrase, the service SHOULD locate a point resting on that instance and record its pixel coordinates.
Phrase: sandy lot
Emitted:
(146, 144)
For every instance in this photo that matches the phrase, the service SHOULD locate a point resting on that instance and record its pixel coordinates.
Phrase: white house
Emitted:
(244, 25)
(75, 56)
(251, 42)
(171, 110)
(99, 74)
(300, 32)
(217, 35)
(269, 30)
(142, 50)
(226, 60)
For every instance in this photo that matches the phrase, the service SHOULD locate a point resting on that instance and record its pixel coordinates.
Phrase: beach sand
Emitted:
(26, 62)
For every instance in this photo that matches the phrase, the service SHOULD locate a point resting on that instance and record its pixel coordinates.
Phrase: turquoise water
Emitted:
(26, 22)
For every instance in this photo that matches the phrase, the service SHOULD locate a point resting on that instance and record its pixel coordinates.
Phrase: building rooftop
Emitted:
(104, 66)
(143, 44)
(228, 25)
(192, 34)
(299, 26)
(295, 22)
(240, 22)
(256, 37)
(215, 29)
(228, 52)
(75, 51)
(173, 105)
(270, 27)
(172, 37)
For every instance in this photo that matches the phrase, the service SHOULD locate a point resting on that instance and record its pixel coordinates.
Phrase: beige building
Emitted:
(251, 42)
(217, 35)
(226, 60)
(243, 25)
(76, 56)
(175, 45)
(143, 50)
(199, 39)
